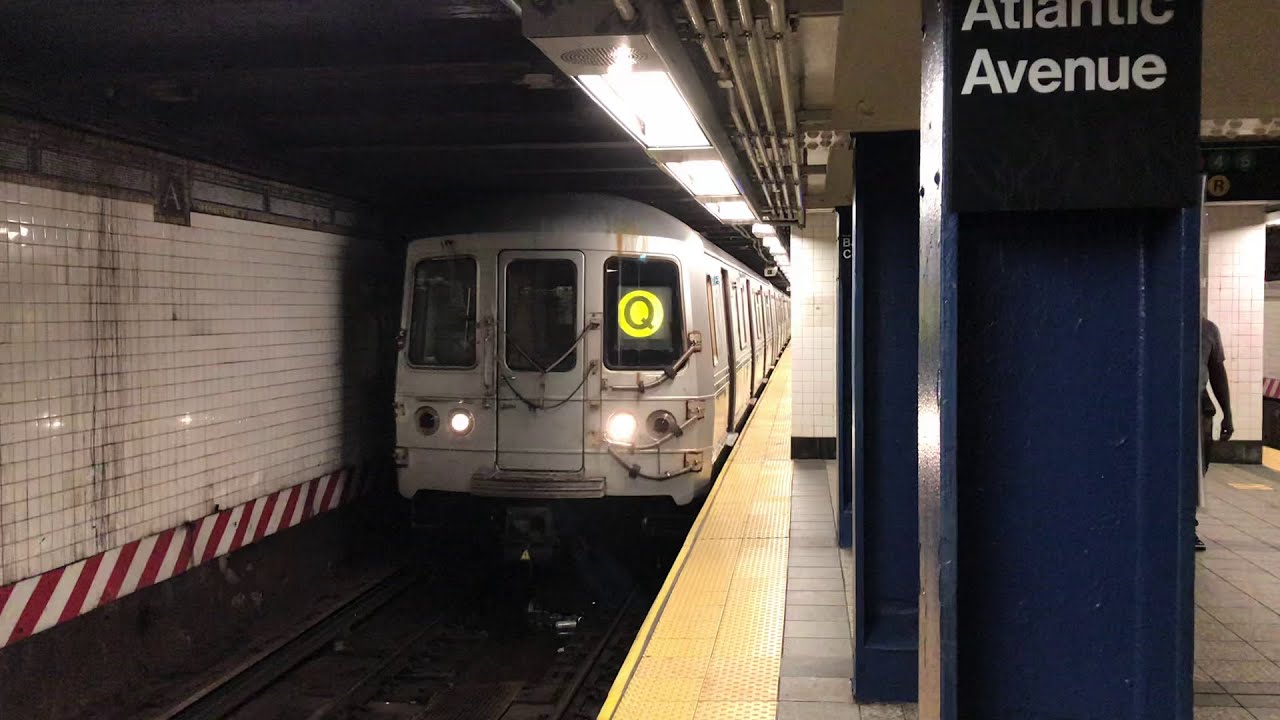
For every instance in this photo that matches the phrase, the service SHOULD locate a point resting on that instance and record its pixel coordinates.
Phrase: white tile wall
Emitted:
(1236, 237)
(814, 264)
(149, 372)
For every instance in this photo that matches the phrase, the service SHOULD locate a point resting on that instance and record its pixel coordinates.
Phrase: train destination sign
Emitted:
(1070, 104)
(640, 314)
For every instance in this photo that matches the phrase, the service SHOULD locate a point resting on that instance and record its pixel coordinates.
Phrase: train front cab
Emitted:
(559, 373)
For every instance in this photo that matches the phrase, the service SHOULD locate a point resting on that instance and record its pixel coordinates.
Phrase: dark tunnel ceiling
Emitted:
(409, 102)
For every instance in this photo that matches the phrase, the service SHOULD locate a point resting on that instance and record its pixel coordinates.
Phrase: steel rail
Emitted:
(247, 680)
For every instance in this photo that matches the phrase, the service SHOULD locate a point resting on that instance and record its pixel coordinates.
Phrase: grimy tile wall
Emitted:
(1235, 285)
(152, 373)
(814, 264)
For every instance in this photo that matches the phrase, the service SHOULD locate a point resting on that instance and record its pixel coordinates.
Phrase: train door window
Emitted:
(541, 315)
(711, 322)
(743, 323)
(442, 319)
(755, 314)
(644, 322)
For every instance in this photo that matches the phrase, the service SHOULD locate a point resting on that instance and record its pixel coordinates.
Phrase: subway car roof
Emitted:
(568, 212)
(561, 212)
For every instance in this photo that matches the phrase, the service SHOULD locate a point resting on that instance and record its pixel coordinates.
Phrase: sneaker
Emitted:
(1200, 546)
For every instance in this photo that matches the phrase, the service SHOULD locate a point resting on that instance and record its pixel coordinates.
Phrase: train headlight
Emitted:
(461, 422)
(621, 427)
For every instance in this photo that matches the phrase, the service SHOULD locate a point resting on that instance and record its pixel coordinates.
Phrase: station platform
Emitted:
(753, 620)
(1237, 670)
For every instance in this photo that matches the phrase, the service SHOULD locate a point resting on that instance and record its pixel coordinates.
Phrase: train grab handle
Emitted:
(668, 373)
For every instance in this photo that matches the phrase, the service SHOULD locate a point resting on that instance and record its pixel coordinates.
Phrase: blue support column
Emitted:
(886, 257)
(846, 331)
(1057, 411)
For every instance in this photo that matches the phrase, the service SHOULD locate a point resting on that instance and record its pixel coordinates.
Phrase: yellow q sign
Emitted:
(640, 314)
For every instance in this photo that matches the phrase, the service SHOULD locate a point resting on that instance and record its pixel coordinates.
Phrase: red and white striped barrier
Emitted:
(1271, 388)
(40, 602)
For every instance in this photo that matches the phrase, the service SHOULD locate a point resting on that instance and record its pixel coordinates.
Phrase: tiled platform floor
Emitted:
(757, 625)
(1237, 674)
(755, 622)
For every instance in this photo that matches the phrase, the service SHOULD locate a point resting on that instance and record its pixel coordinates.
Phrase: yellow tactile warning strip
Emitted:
(1271, 458)
(711, 647)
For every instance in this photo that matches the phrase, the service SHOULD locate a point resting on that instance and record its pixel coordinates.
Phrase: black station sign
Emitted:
(1241, 172)
(1072, 104)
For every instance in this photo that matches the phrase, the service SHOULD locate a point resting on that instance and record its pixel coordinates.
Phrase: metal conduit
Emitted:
(735, 69)
(700, 27)
(742, 131)
(762, 88)
(625, 10)
(778, 18)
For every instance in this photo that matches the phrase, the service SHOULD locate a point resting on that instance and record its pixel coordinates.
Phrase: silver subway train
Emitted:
(576, 346)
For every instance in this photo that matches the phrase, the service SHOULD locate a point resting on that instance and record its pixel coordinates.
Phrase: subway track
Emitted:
(475, 638)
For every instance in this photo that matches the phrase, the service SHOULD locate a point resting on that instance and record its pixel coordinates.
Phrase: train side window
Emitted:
(541, 314)
(644, 322)
(711, 322)
(442, 319)
(742, 318)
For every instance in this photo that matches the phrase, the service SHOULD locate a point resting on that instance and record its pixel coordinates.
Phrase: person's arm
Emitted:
(1222, 391)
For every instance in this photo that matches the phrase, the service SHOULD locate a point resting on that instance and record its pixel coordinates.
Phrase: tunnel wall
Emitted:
(169, 392)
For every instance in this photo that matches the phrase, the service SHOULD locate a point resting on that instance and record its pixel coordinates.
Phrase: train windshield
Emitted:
(443, 319)
(644, 326)
(542, 311)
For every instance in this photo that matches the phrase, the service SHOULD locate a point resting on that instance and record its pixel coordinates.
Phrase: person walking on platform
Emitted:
(1213, 373)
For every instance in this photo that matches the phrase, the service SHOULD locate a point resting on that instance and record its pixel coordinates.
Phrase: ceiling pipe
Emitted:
(514, 6)
(625, 10)
(742, 133)
(737, 77)
(762, 89)
(700, 27)
(778, 18)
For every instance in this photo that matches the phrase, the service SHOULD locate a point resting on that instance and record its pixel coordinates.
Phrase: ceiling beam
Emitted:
(568, 145)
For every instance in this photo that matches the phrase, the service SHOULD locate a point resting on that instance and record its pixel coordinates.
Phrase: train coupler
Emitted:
(529, 535)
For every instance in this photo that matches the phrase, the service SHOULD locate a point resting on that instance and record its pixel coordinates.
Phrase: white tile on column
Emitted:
(1236, 237)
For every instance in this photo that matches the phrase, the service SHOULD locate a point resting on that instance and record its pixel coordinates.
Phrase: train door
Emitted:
(757, 314)
(541, 365)
(731, 346)
(753, 333)
(769, 338)
(721, 368)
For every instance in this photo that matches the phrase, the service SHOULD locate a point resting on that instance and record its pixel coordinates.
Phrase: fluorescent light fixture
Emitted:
(703, 177)
(782, 262)
(777, 251)
(731, 210)
(648, 105)
(772, 242)
(762, 230)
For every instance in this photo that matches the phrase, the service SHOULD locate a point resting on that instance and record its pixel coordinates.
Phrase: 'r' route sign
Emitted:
(1073, 104)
